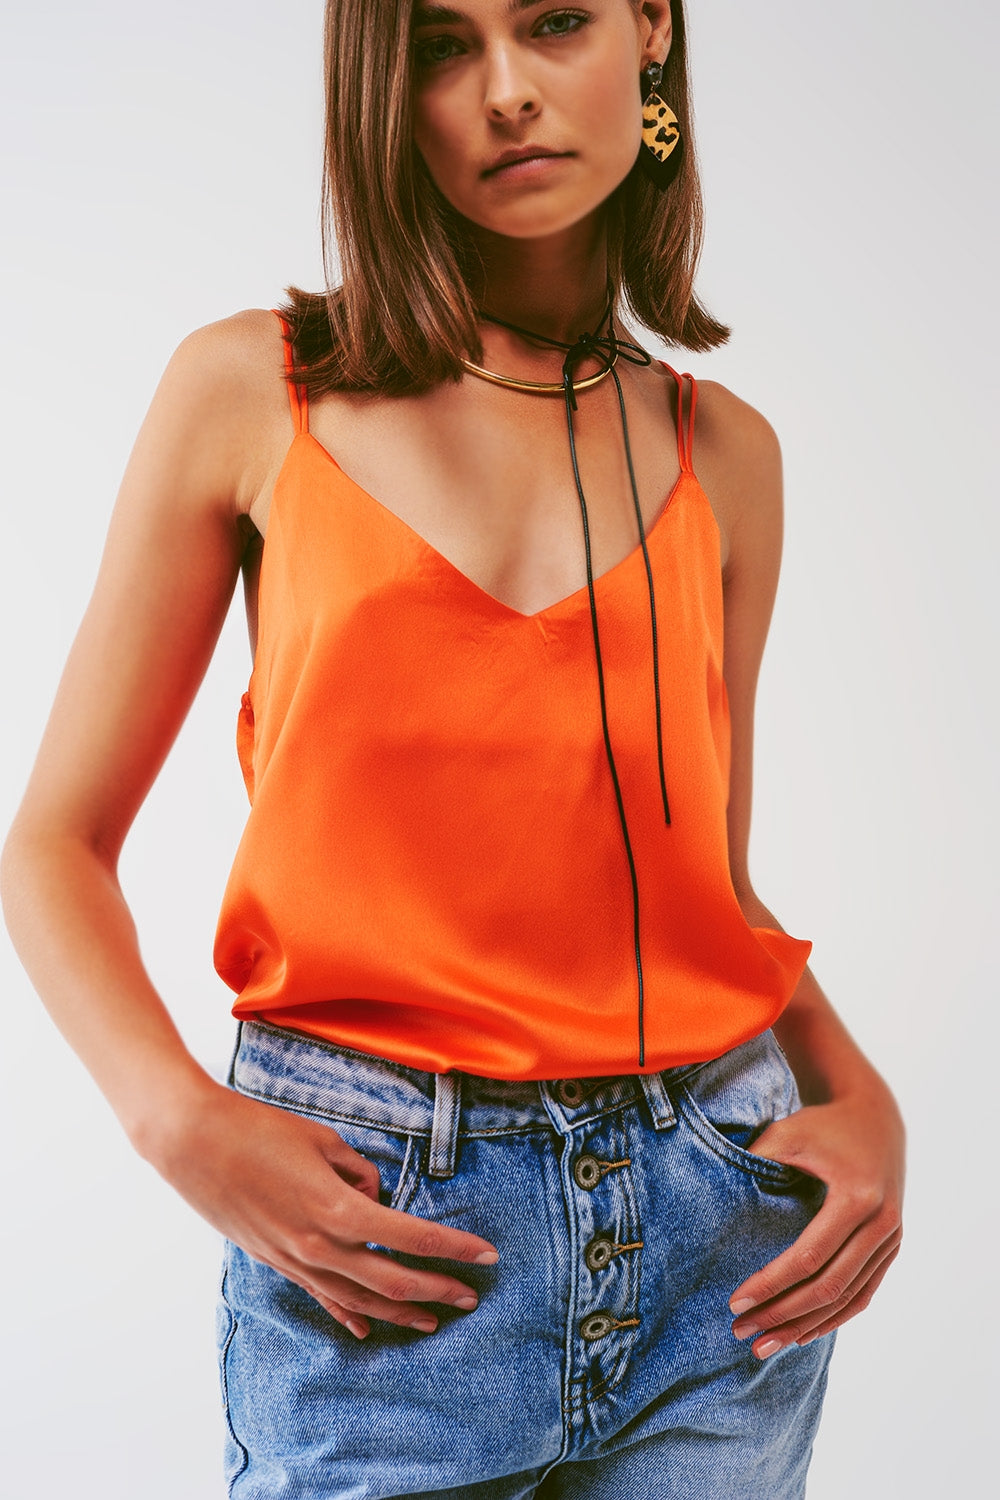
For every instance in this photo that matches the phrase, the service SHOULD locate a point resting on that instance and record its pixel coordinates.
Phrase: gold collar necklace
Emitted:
(606, 347)
(540, 387)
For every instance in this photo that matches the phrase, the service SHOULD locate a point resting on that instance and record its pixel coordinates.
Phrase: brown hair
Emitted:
(404, 314)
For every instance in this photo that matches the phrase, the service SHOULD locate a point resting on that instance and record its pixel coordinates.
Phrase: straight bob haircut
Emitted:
(404, 313)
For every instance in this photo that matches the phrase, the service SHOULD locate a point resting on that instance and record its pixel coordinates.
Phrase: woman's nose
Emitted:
(509, 92)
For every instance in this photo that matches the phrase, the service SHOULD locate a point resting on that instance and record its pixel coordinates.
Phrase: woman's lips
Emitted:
(526, 166)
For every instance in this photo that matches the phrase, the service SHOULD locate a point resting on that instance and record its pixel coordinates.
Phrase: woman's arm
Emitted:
(170, 563)
(290, 1192)
(849, 1132)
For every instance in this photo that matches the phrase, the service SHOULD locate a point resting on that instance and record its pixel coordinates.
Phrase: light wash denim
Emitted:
(600, 1363)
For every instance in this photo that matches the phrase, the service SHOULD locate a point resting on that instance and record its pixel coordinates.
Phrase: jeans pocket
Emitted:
(397, 1156)
(395, 1153)
(730, 1100)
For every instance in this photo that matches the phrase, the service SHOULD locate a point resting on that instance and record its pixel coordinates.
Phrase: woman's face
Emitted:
(492, 77)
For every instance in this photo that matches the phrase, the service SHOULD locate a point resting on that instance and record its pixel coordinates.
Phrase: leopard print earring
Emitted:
(662, 145)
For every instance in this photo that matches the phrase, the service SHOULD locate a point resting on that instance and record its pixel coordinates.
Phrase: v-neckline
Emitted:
(420, 540)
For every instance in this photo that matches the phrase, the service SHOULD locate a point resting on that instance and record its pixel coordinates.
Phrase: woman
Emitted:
(538, 1211)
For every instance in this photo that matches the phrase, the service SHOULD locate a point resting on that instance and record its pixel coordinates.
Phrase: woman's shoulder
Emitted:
(227, 377)
(734, 444)
(731, 431)
(235, 362)
(737, 459)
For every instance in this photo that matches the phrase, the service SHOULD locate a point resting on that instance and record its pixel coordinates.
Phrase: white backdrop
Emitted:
(161, 169)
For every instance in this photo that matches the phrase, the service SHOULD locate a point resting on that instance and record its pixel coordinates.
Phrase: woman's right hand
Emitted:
(297, 1197)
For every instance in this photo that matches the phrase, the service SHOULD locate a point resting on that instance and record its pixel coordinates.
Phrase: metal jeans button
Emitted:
(599, 1253)
(587, 1171)
(569, 1091)
(596, 1326)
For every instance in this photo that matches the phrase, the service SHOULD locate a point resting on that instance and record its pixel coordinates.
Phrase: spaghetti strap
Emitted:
(689, 433)
(685, 430)
(298, 399)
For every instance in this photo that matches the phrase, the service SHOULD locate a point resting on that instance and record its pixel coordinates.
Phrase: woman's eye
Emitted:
(562, 22)
(437, 49)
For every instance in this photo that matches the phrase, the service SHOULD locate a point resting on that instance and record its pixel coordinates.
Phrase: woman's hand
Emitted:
(294, 1195)
(855, 1145)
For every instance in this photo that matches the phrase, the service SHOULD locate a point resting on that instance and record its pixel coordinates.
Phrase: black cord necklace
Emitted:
(606, 347)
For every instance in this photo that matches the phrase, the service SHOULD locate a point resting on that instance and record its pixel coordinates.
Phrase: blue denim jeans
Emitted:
(600, 1363)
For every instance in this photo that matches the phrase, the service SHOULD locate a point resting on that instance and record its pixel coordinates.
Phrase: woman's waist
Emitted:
(310, 1075)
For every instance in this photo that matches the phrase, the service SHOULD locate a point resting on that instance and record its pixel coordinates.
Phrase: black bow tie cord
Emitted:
(608, 347)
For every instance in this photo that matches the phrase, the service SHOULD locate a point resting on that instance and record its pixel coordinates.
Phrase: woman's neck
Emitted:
(557, 287)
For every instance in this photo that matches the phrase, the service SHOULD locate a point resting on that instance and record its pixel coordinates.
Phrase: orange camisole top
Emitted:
(433, 868)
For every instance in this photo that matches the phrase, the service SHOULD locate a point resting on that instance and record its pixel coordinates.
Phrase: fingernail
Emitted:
(750, 1331)
(487, 1258)
(769, 1346)
(467, 1302)
(358, 1329)
(426, 1325)
(741, 1305)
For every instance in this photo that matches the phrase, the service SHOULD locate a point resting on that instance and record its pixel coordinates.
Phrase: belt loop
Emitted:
(231, 1075)
(444, 1129)
(658, 1100)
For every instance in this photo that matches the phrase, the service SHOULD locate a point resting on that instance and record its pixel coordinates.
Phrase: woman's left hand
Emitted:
(856, 1146)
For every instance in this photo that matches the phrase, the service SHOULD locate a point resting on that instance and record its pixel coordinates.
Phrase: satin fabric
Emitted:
(433, 868)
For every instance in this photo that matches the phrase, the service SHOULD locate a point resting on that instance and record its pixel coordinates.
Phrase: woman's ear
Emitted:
(656, 14)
